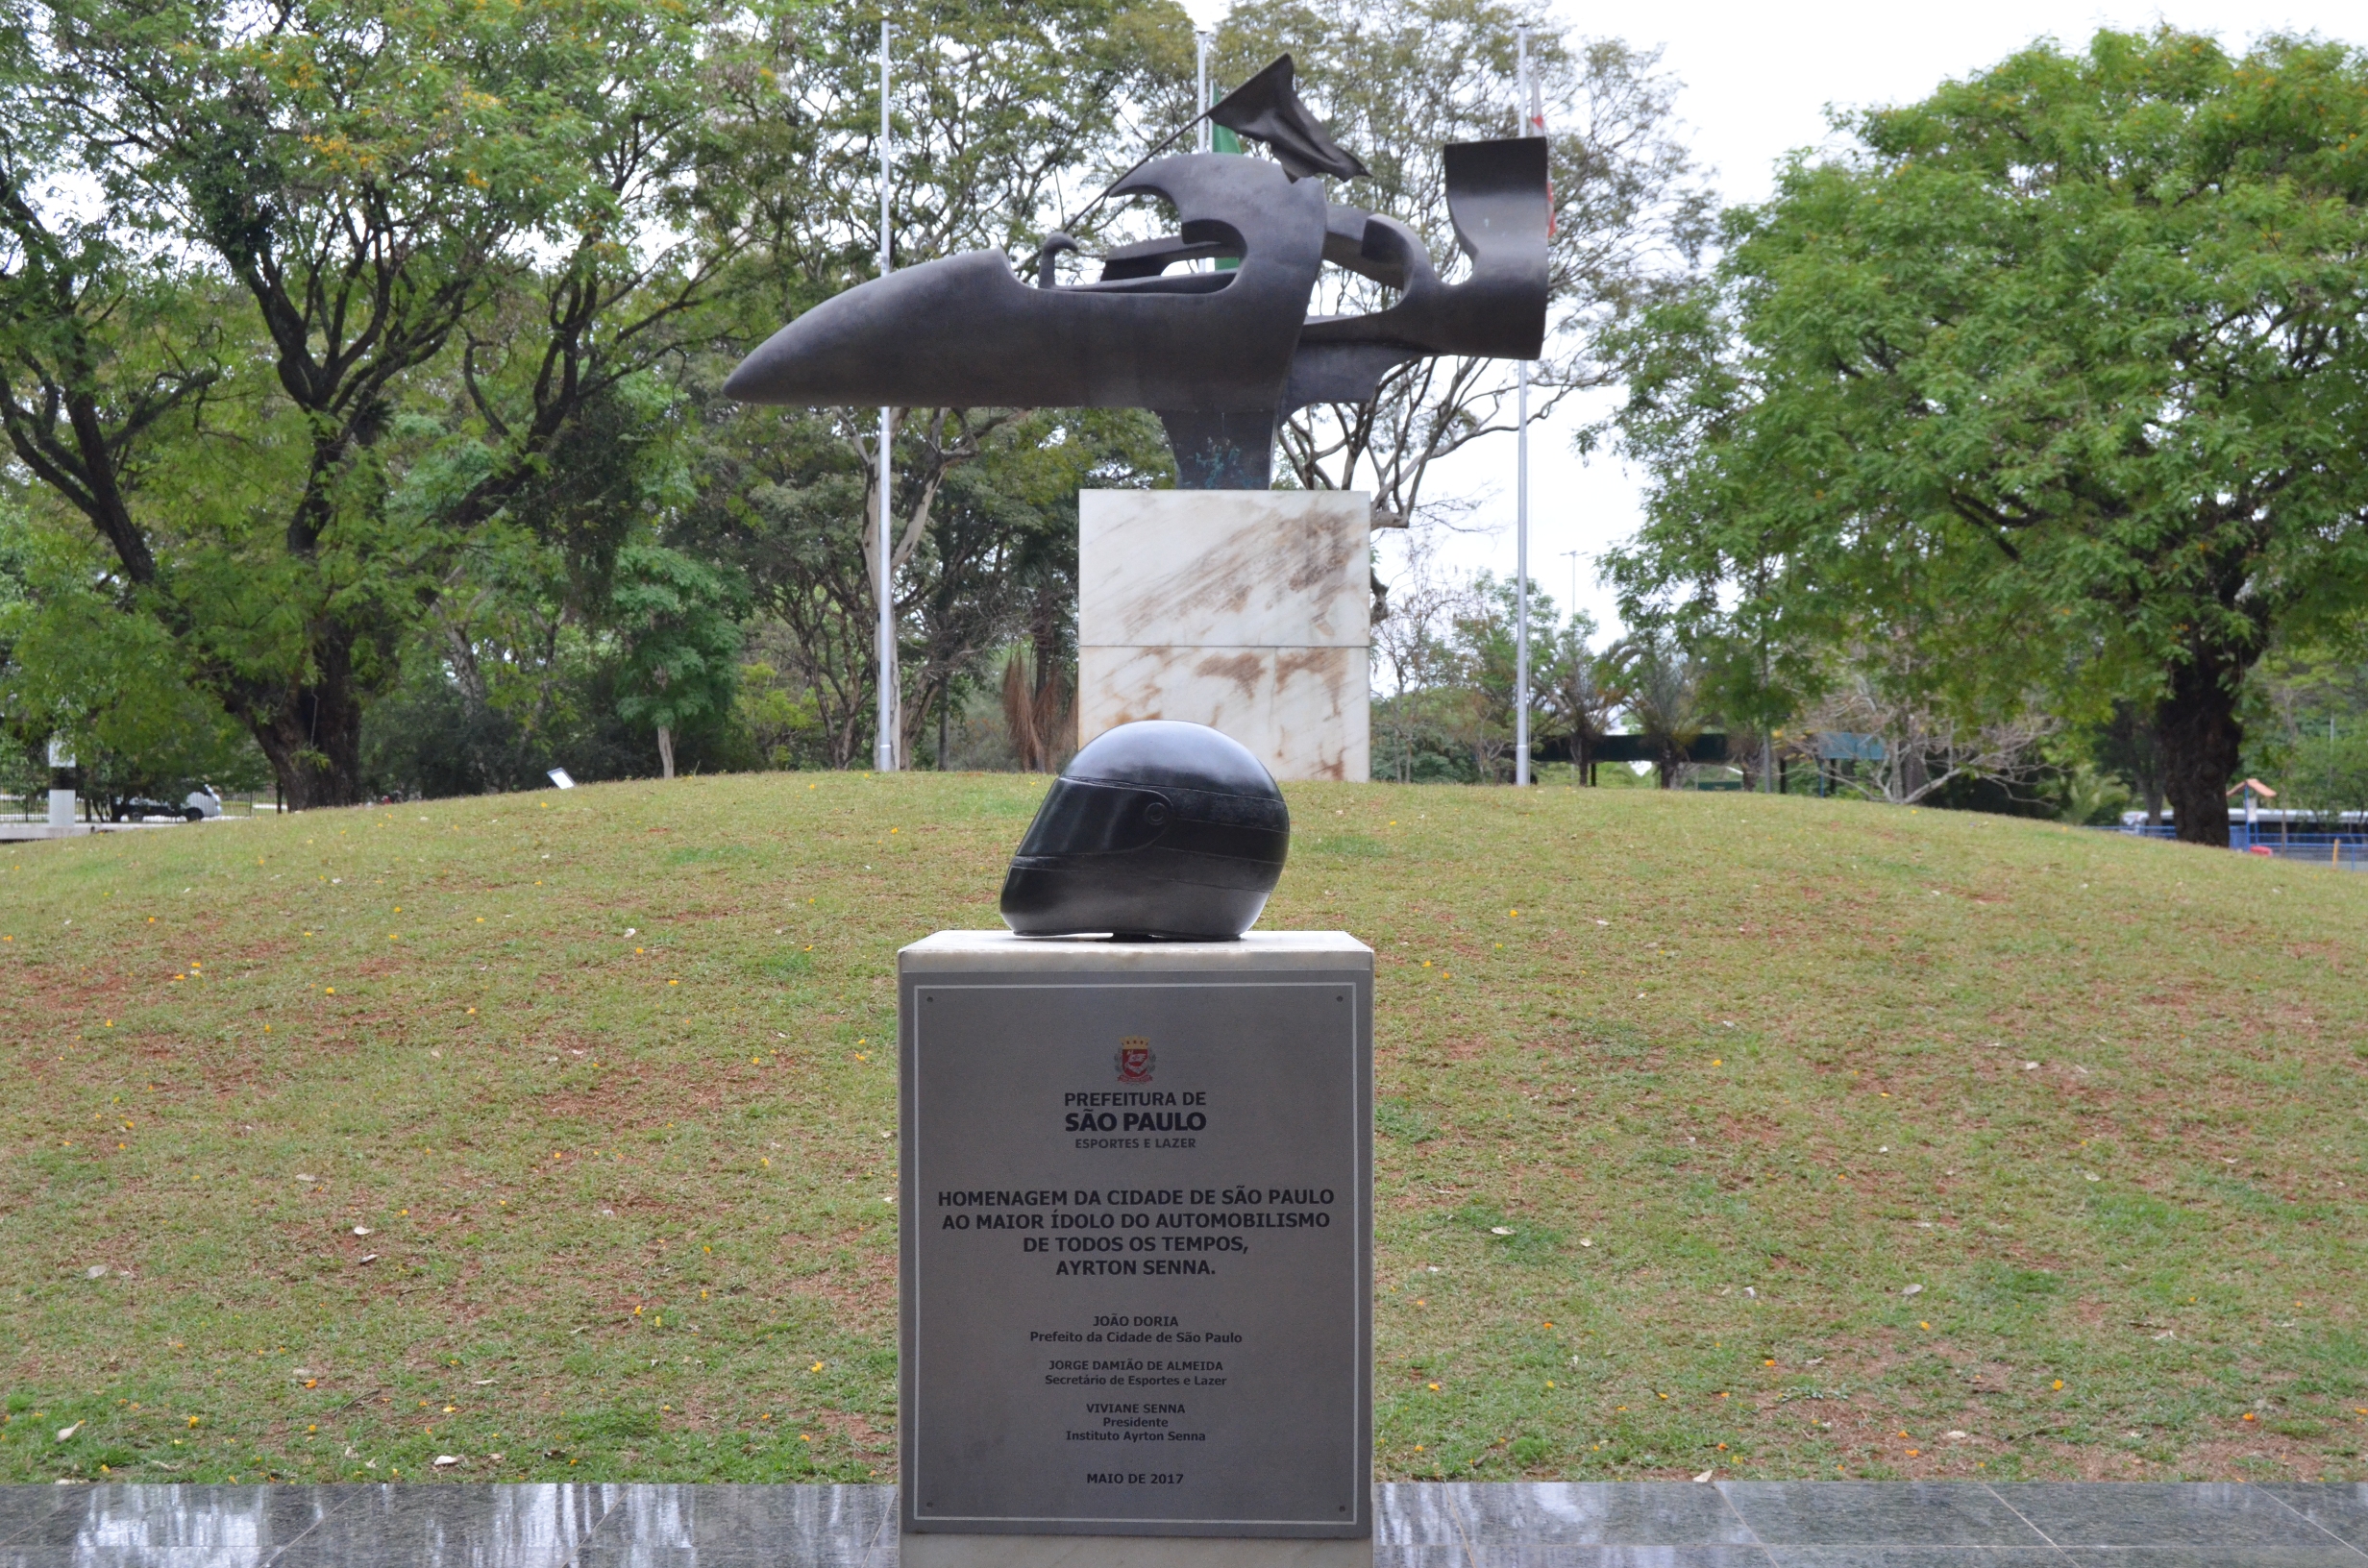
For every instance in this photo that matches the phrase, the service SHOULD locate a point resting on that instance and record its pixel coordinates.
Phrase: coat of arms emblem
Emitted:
(1135, 1059)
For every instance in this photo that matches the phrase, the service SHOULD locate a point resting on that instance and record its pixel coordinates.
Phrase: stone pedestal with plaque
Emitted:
(1136, 1266)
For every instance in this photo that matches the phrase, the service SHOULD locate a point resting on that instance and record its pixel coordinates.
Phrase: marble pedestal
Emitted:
(1246, 610)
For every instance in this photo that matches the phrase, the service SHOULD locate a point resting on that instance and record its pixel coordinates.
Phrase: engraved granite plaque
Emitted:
(1136, 1261)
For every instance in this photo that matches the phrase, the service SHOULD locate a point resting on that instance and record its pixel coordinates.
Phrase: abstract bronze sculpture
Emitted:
(1155, 829)
(1220, 355)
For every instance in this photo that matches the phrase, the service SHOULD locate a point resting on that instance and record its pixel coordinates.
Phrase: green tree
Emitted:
(301, 298)
(679, 620)
(115, 687)
(1480, 667)
(2330, 772)
(2058, 372)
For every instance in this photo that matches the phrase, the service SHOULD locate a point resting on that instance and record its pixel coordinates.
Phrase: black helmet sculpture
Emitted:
(1156, 829)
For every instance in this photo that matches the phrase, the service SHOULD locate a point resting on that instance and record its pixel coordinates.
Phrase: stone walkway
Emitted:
(1724, 1525)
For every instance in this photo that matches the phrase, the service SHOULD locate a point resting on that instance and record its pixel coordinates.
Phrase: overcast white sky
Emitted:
(1757, 79)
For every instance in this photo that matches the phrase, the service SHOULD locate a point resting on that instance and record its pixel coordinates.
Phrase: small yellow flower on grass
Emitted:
(815, 1367)
(674, 982)
(2058, 1383)
(1770, 1361)
(1434, 1388)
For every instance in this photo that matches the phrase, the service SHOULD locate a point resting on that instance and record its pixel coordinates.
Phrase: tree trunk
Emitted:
(311, 732)
(1915, 771)
(2202, 744)
(666, 750)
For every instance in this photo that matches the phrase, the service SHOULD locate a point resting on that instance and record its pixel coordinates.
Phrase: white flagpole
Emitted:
(1520, 525)
(1200, 137)
(884, 745)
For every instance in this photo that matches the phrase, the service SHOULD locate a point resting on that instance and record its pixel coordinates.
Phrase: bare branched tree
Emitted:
(1925, 746)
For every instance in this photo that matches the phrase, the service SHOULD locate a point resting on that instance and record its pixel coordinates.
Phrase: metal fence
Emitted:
(2340, 851)
(35, 807)
(2343, 853)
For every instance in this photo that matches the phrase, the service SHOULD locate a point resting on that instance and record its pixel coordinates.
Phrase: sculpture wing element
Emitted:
(967, 333)
(1498, 202)
(1264, 108)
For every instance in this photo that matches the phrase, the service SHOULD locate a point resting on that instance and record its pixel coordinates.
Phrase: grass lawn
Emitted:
(1783, 1137)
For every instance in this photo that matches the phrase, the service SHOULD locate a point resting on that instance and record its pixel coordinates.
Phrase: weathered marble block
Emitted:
(1246, 610)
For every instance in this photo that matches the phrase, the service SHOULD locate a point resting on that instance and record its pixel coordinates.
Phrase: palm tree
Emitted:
(1578, 694)
(1659, 685)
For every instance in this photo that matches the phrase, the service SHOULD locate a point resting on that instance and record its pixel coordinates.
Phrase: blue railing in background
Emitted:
(2343, 851)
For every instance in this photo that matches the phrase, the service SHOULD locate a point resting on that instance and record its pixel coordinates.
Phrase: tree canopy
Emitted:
(2052, 385)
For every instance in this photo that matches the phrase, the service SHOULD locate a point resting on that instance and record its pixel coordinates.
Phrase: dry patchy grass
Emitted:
(551, 1127)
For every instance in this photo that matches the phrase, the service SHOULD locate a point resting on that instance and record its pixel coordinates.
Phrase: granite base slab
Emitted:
(1416, 1525)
